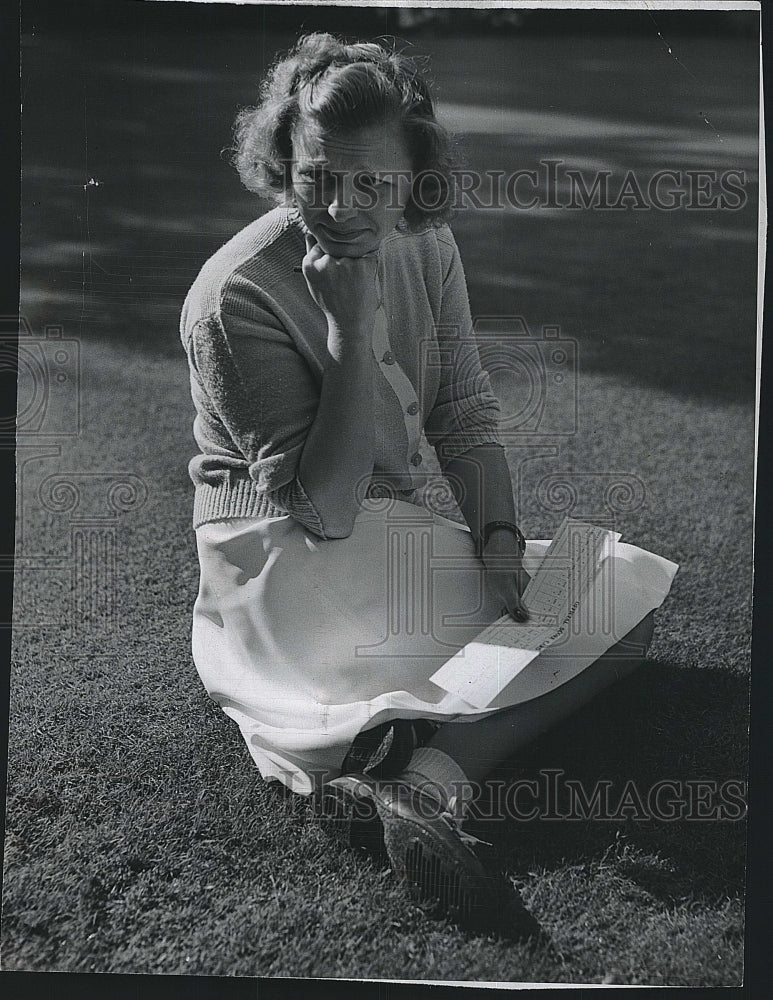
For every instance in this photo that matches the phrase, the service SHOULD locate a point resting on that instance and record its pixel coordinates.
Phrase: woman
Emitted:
(323, 340)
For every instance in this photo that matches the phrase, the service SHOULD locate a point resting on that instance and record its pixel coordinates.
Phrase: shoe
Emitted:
(349, 815)
(348, 811)
(427, 850)
(438, 862)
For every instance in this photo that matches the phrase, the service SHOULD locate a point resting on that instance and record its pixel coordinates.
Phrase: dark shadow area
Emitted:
(682, 730)
(60, 14)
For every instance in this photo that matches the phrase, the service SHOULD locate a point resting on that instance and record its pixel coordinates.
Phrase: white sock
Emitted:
(441, 775)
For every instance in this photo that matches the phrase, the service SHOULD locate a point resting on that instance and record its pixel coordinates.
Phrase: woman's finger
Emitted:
(314, 253)
(519, 611)
(515, 606)
(523, 580)
(508, 591)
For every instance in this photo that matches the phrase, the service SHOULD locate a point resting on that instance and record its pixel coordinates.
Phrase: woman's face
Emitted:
(350, 189)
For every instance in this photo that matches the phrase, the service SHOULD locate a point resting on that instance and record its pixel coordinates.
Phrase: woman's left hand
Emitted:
(505, 576)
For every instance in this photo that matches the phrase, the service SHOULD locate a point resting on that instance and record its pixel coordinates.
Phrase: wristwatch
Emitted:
(490, 526)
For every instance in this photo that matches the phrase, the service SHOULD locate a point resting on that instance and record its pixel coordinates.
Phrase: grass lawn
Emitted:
(140, 838)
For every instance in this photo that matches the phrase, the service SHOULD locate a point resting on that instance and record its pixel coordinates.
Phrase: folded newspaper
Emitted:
(562, 597)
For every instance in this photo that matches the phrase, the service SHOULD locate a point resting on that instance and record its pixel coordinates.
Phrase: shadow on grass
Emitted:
(665, 725)
(669, 727)
(652, 331)
(680, 731)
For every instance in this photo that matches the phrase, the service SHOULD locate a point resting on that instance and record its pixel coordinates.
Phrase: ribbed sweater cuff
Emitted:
(235, 499)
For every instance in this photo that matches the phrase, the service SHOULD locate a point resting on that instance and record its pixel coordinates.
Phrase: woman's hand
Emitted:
(339, 450)
(344, 288)
(505, 576)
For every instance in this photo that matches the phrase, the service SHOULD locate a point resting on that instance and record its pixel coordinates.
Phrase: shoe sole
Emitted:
(445, 880)
(455, 884)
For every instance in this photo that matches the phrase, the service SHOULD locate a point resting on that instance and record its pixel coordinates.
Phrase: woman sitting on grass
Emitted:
(323, 339)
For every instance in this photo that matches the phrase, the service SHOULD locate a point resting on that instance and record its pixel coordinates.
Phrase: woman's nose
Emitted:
(342, 207)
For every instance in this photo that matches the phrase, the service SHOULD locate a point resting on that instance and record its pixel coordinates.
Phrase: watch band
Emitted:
(490, 526)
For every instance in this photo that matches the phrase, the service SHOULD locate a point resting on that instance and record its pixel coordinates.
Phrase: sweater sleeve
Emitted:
(466, 411)
(263, 393)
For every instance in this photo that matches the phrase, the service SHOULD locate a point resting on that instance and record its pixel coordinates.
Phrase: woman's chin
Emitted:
(359, 247)
(348, 249)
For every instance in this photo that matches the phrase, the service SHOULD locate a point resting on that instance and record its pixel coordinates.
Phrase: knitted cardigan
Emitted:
(256, 346)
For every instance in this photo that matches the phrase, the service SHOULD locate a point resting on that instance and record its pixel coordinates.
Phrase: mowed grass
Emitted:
(140, 837)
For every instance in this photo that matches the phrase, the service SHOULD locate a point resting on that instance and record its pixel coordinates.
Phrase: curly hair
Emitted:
(341, 88)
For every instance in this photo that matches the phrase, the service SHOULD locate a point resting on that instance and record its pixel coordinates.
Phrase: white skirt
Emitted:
(304, 643)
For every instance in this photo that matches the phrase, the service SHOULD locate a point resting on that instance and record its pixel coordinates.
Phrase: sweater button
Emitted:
(413, 409)
(416, 459)
(389, 358)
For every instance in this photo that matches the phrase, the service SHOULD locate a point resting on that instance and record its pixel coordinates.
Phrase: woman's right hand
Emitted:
(344, 288)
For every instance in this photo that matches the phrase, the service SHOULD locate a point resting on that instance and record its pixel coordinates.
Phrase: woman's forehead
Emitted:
(364, 148)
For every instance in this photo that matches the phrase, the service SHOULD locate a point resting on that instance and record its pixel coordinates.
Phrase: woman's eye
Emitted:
(311, 175)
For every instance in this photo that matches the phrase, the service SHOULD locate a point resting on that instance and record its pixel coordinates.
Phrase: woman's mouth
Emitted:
(337, 236)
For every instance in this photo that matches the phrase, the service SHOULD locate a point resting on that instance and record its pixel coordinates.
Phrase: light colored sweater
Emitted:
(256, 346)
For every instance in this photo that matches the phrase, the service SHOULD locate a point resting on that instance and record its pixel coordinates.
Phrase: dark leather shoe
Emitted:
(427, 849)
(349, 815)
(440, 865)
